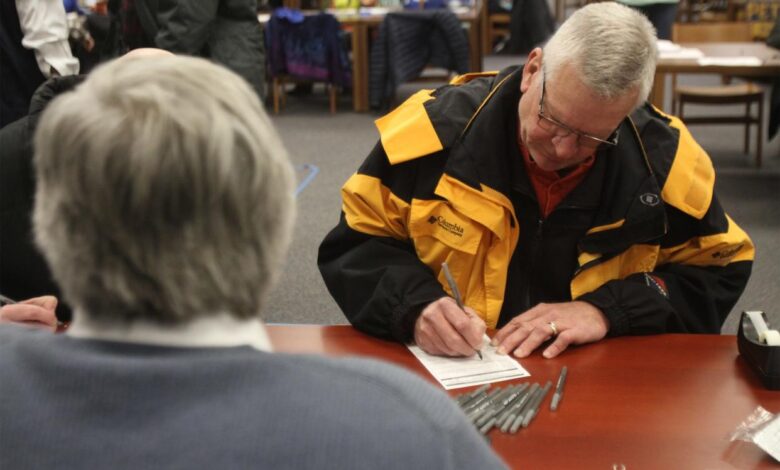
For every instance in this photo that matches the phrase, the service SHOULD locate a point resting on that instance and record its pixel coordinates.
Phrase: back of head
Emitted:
(163, 192)
(612, 47)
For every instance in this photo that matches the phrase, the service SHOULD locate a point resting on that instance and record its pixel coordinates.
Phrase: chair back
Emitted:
(746, 94)
(735, 31)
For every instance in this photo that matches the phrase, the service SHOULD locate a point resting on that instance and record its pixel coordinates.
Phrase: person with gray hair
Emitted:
(164, 205)
(566, 207)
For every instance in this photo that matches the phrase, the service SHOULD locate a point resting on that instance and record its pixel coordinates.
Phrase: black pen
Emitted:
(455, 293)
(559, 389)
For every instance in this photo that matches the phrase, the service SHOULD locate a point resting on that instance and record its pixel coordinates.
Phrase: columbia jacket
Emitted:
(643, 237)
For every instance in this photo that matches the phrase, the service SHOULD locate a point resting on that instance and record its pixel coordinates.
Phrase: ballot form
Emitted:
(458, 372)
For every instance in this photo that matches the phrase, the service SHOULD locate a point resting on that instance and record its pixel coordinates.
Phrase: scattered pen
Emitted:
(6, 300)
(455, 293)
(559, 389)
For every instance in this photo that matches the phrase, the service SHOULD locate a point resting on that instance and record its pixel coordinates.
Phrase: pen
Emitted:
(455, 293)
(559, 389)
(517, 417)
(464, 399)
(534, 409)
(6, 300)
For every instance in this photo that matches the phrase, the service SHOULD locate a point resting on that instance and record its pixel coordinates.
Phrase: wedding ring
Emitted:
(553, 328)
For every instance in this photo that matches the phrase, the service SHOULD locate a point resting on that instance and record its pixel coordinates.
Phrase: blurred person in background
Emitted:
(33, 47)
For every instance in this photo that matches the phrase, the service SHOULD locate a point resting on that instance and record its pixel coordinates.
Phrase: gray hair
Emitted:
(163, 192)
(612, 46)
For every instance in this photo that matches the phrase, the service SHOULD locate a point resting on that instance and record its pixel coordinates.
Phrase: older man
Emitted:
(164, 205)
(565, 207)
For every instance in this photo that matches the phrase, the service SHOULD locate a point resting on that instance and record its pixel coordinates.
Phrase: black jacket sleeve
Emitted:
(376, 278)
(184, 27)
(687, 296)
(379, 283)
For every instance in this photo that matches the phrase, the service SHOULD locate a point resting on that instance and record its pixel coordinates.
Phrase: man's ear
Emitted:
(532, 66)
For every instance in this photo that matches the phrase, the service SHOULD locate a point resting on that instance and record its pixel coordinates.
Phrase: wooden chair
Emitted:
(496, 27)
(743, 93)
(289, 46)
(279, 95)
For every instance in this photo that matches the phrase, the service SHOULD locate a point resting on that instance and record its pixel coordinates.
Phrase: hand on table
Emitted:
(446, 330)
(574, 322)
(37, 312)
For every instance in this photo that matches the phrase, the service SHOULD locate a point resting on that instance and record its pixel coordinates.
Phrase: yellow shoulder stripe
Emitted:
(407, 132)
(371, 208)
(712, 250)
(604, 228)
(636, 259)
(467, 77)
(689, 186)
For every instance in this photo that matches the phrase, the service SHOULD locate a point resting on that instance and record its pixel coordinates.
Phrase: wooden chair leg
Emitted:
(332, 97)
(748, 118)
(760, 131)
(275, 94)
(283, 92)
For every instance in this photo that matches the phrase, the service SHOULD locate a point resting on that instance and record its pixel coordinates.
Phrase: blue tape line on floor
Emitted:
(311, 172)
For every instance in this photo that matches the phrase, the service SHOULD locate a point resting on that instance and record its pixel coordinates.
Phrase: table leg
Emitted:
(657, 94)
(360, 67)
(475, 46)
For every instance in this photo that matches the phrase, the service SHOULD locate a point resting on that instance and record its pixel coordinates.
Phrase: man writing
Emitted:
(565, 207)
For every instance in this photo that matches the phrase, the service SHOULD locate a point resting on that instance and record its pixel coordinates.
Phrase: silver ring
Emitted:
(553, 328)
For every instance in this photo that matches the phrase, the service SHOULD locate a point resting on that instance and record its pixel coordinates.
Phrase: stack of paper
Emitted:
(670, 50)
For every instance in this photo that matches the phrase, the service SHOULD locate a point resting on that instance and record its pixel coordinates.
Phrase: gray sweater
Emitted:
(77, 403)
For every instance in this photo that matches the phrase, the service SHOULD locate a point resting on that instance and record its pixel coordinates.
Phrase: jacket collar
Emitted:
(46, 92)
(621, 186)
(632, 210)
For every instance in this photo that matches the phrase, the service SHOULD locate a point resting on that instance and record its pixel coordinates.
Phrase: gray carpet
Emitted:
(338, 143)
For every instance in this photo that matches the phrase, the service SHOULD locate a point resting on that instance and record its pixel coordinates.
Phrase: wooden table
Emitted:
(770, 66)
(361, 26)
(651, 402)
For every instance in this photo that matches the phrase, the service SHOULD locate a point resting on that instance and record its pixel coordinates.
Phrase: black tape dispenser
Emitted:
(760, 346)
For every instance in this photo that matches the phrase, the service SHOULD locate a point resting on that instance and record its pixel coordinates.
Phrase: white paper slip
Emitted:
(768, 438)
(682, 53)
(735, 61)
(458, 372)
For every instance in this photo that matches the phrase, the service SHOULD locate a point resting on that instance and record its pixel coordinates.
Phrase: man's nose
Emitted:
(566, 146)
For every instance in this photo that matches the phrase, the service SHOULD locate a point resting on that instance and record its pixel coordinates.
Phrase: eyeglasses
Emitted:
(552, 125)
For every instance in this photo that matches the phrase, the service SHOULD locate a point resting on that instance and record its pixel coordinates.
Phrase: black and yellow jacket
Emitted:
(643, 237)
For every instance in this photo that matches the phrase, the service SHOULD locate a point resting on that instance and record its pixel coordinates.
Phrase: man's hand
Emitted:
(38, 312)
(575, 323)
(446, 330)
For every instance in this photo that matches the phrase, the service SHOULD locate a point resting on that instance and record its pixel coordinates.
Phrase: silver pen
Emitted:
(455, 293)
(6, 300)
(556, 399)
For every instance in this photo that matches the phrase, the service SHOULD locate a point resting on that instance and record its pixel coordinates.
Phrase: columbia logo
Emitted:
(453, 228)
(727, 252)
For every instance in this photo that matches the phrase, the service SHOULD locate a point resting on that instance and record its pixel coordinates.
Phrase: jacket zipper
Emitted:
(534, 258)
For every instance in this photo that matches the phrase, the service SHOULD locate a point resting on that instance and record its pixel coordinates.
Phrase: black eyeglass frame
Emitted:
(591, 141)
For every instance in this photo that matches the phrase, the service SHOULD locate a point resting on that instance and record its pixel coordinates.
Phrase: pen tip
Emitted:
(479, 353)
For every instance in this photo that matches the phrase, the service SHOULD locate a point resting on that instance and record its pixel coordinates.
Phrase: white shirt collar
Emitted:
(221, 330)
